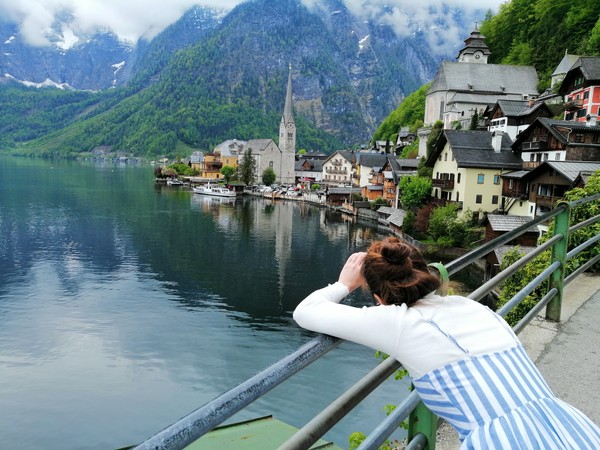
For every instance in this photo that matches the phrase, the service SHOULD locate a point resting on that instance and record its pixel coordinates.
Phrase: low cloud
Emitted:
(145, 18)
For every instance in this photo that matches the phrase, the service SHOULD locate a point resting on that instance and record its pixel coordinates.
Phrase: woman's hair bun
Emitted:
(397, 253)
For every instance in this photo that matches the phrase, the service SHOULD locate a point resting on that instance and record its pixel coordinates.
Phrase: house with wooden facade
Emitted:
(467, 168)
(581, 88)
(557, 140)
(548, 182)
(513, 116)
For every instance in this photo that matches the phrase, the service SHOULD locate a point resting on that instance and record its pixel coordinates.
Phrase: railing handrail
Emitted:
(199, 422)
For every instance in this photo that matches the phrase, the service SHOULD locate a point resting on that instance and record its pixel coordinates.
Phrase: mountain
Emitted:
(99, 61)
(194, 86)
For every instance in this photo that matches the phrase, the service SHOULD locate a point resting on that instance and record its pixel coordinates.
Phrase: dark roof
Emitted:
(515, 174)
(474, 149)
(316, 165)
(570, 170)
(560, 129)
(346, 154)
(589, 67)
(371, 159)
(500, 79)
(504, 249)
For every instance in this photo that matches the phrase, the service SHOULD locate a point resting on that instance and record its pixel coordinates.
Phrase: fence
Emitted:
(422, 422)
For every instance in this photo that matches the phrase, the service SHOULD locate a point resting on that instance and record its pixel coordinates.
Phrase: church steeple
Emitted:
(475, 49)
(287, 128)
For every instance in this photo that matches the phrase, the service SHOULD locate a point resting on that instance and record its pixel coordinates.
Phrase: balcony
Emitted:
(336, 171)
(573, 105)
(534, 145)
(442, 183)
(520, 194)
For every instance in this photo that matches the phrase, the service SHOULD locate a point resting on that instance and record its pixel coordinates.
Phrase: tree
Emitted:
(446, 227)
(247, 168)
(227, 172)
(474, 121)
(414, 191)
(268, 176)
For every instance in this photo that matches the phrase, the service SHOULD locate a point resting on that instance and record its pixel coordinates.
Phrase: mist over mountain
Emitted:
(211, 76)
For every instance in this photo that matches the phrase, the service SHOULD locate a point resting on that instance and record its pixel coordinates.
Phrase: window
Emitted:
(446, 156)
(478, 199)
(581, 112)
(457, 196)
(480, 178)
(494, 199)
(545, 156)
(510, 183)
(496, 179)
(532, 157)
(458, 179)
(569, 116)
(586, 95)
(271, 164)
(557, 156)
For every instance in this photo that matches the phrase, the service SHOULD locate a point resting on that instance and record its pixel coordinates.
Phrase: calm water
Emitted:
(125, 305)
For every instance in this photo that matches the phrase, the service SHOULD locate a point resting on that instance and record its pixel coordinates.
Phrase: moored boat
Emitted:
(215, 191)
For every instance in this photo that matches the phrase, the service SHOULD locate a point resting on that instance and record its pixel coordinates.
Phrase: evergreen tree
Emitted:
(247, 168)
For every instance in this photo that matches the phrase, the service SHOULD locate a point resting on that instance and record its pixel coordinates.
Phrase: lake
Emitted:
(125, 305)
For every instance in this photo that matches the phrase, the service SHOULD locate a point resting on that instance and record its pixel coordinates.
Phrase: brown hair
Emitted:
(397, 272)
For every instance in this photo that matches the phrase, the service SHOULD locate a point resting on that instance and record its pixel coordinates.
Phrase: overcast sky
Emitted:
(132, 19)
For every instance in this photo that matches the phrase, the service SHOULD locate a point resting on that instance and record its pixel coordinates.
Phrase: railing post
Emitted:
(559, 253)
(422, 420)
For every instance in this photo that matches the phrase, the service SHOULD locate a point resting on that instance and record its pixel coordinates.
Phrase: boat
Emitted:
(215, 191)
(174, 182)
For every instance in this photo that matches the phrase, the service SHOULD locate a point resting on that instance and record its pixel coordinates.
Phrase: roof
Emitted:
(565, 64)
(515, 174)
(517, 108)
(474, 149)
(371, 159)
(230, 147)
(570, 170)
(485, 78)
(501, 222)
(395, 216)
(346, 154)
(316, 165)
(589, 66)
(375, 187)
(343, 190)
(560, 129)
(258, 145)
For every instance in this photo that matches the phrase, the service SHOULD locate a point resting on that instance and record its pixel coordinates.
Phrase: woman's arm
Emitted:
(321, 312)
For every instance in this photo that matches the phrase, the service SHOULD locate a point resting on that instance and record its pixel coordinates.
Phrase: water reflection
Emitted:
(126, 305)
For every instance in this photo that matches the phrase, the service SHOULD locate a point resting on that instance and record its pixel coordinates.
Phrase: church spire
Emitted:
(287, 128)
(288, 116)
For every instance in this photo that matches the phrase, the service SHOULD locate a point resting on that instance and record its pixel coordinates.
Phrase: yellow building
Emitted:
(467, 168)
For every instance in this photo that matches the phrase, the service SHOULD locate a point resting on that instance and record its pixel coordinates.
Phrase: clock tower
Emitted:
(475, 49)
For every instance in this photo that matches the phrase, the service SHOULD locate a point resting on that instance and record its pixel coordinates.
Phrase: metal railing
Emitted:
(422, 422)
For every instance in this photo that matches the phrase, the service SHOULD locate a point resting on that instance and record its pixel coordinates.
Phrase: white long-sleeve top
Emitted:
(420, 337)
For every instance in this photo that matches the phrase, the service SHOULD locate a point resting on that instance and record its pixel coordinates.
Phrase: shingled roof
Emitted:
(570, 170)
(501, 222)
(474, 149)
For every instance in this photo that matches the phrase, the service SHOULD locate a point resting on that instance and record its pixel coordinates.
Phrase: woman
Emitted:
(465, 361)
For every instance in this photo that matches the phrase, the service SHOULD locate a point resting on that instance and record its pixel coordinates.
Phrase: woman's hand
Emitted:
(351, 274)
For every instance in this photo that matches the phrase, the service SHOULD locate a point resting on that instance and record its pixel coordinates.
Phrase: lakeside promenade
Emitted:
(566, 353)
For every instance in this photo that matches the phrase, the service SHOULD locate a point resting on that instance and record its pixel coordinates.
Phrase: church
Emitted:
(471, 84)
